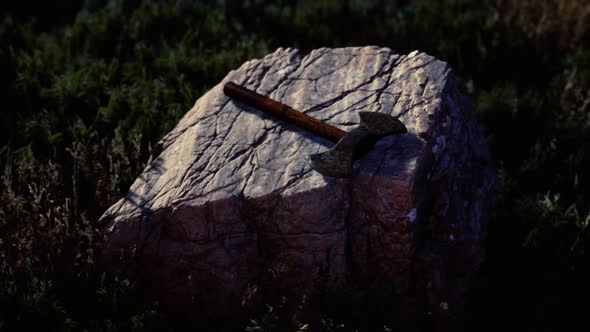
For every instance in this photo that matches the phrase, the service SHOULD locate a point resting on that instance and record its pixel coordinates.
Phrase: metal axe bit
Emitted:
(338, 161)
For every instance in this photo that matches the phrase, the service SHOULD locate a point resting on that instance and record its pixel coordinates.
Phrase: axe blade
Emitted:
(337, 162)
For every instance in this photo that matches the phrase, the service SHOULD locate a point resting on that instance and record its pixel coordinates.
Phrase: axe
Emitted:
(336, 162)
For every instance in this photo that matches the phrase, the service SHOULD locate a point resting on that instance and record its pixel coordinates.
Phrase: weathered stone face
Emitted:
(229, 206)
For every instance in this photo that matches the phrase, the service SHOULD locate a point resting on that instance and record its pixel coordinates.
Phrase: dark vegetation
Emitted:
(85, 98)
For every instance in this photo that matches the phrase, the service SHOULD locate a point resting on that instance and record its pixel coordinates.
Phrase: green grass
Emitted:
(84, 104)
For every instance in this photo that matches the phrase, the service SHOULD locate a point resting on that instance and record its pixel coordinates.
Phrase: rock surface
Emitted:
(228, 208)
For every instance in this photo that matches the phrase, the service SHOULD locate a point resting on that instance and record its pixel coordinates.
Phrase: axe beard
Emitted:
(338, 161)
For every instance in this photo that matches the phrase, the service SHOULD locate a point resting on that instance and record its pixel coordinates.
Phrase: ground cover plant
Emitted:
(86, 97)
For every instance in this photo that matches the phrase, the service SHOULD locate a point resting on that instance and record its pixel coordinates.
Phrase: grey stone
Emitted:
(228, 206)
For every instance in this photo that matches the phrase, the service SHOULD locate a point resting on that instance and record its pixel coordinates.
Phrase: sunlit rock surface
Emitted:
(228, 208)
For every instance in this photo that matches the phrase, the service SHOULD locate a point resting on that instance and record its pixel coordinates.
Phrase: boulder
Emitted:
(228, 209)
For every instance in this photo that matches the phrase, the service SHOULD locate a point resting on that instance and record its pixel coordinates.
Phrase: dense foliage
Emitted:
(84, 103)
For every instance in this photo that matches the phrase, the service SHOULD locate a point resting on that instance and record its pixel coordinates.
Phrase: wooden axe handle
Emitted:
(283, 112)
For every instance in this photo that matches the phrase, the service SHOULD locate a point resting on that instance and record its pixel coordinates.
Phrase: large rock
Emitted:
(228, 208)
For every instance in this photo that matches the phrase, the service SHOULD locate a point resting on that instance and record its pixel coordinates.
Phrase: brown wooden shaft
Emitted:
(283, 112)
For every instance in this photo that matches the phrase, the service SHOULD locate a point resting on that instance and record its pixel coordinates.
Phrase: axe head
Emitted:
(337, 162)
